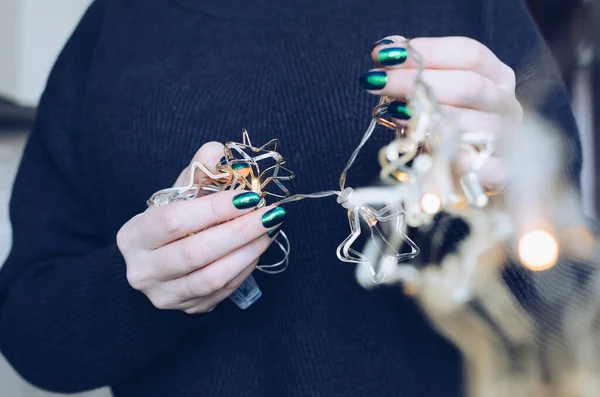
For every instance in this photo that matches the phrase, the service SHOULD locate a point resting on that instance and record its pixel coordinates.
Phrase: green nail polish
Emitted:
(399, 110)
(373, 80)
(246, 200)
(239, 166)
(392, 56)
(382, 42)
(273, 217)
(273, 232)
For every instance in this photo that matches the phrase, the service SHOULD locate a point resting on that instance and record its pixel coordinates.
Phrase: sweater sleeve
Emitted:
(69, 321)
(511, 33)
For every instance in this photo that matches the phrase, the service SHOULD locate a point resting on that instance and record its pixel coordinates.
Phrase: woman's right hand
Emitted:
(179, 270)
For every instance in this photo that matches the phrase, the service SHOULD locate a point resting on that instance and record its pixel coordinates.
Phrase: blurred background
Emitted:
(32, 32)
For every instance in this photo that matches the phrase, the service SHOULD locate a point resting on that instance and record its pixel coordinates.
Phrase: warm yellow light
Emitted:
(538, 250)
(372, 221)
(460, 203)
(255, 185)
(401, 176)
(431, 203)
(579, 242)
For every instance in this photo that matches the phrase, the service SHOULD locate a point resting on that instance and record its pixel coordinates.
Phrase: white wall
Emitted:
(9, 46)
(32, 32)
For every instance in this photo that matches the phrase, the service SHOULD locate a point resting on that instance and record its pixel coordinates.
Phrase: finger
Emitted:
(493, 172)
(465, 120)
(209, 155)
(206, 304)
(451, 87)
(194, 252)
(469, 120)
(446, 53)
(221, 274)
(388, 40)
(237, 281)
(158, 226)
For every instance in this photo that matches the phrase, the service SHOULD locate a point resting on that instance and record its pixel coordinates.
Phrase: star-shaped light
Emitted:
(243, 162)
(388, 244)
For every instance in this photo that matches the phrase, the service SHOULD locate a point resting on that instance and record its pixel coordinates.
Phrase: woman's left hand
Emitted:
(470, 83)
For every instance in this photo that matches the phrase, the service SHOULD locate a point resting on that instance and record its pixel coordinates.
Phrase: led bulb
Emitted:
(538, 250)
(431, 203)
(255, 185)
(401, 176)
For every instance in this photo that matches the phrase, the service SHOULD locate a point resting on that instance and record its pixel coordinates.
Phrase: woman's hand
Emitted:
(470, 83)
(176, 269)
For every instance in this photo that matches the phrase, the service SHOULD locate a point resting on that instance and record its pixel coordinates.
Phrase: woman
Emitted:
(98, 291)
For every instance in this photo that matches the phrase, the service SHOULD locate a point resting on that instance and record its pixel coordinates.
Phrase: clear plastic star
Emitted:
(388, 242)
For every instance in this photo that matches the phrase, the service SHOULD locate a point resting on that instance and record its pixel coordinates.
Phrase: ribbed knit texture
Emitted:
(141, 85)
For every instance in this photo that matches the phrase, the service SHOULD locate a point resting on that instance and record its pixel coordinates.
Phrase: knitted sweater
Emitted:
(138, 88)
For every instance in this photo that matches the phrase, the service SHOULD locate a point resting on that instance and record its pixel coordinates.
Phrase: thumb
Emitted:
(208, 155)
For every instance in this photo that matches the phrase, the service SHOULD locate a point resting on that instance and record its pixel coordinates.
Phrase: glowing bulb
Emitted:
(255, 185)
(538, 250)
(431, 203)
(401, 176)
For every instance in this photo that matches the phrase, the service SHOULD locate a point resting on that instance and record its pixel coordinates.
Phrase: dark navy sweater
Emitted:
(139, 87)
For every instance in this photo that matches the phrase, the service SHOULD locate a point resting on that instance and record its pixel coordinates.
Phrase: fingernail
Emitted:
(373, 80)
(239, 165)
(274, 232)
(392, 56)
(382, 42)
(399, 110)
(273, 217)
(246, 200)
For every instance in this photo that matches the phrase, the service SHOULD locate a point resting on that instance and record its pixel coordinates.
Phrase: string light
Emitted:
(421, 180)
(431, 203)
(401, 176)
(239, 169)
(538, 250)
(420, 155)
